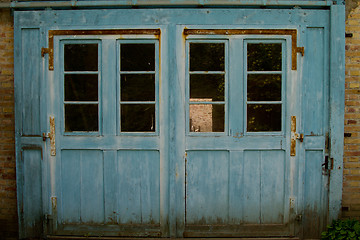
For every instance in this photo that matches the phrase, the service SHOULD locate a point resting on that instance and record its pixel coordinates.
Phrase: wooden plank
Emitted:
(30, 64)
(111, 185)
(92, 186)
(313, 218)
(139, 187)
(32, 192)
(236, 187)
(157, 16)
(207, 191)
(251, 188)
(313, 82)
(273, 183)
(70, 187)
(337, 106)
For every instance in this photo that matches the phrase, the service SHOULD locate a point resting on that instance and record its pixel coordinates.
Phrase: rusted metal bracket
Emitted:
(292, 32)
(53, 33)
(300, 50)
(52, 136)
(51, 56)
(294, 136)
(44, 51)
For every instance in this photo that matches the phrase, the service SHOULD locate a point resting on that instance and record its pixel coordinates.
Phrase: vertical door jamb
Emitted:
(337, 105)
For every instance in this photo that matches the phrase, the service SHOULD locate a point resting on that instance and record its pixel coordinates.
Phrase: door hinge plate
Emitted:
(294, 136)
(300, 50)
(44, 51)
(52, 136)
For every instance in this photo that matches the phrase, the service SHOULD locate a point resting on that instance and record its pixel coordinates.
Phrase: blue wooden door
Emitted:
(239, 102)
(179, 122)
(106, 111)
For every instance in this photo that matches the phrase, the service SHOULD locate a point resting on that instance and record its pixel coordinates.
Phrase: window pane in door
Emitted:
(207, 86)
(81, 87)
(137, 117)
(137, 87)
(207, 118)
(264, 87)
(80, 57)
(137, 57)
(263, 117)
(207, 56)
(264, 57)
(81, 117)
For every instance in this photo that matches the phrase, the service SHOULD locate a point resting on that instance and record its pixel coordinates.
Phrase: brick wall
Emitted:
(351, 186)
(8, 207)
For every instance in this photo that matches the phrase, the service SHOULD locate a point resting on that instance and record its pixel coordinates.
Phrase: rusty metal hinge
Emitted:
(300, 50)
(44, 51)
(294, 136)
(51, 135)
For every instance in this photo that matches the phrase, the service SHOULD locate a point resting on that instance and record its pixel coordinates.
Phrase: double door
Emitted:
(163, 135)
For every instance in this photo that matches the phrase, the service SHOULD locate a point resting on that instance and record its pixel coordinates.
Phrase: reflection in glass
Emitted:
(80, 57)
(207, 56)
(207, 86)
(81, 87)
(137, 57)
(138, 117)
(138, 87)
(81, 117)
(264, 87)
(207, 118)
(263, 117)
(264, 57)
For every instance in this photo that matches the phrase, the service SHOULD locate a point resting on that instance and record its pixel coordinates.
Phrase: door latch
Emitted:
(51, 135)
(294, 136)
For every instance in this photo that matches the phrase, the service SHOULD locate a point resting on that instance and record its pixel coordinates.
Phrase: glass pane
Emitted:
(137, 57)
(264, 57)
(207, 56)
(263, 117)
(81, 57)
(207, 118)
(81, 87)
(138, 87)
(138, 117)
(264, 87)
(207, 86)
(81, 117)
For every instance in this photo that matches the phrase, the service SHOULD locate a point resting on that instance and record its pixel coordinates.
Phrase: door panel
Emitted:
(139, 186)
(82, 174)
(207, 175)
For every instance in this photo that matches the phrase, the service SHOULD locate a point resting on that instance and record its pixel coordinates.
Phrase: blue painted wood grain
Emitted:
(32, 192)
(241, 187)
(313, 82)
(207, 191)
(337, 107)
(30, 48)
(82, 186)
(273, 187)
(314, 206)
(139, 187)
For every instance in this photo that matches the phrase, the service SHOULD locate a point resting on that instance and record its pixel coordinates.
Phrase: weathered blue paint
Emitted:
(173, 183)
(337, 91)
(162, 3)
